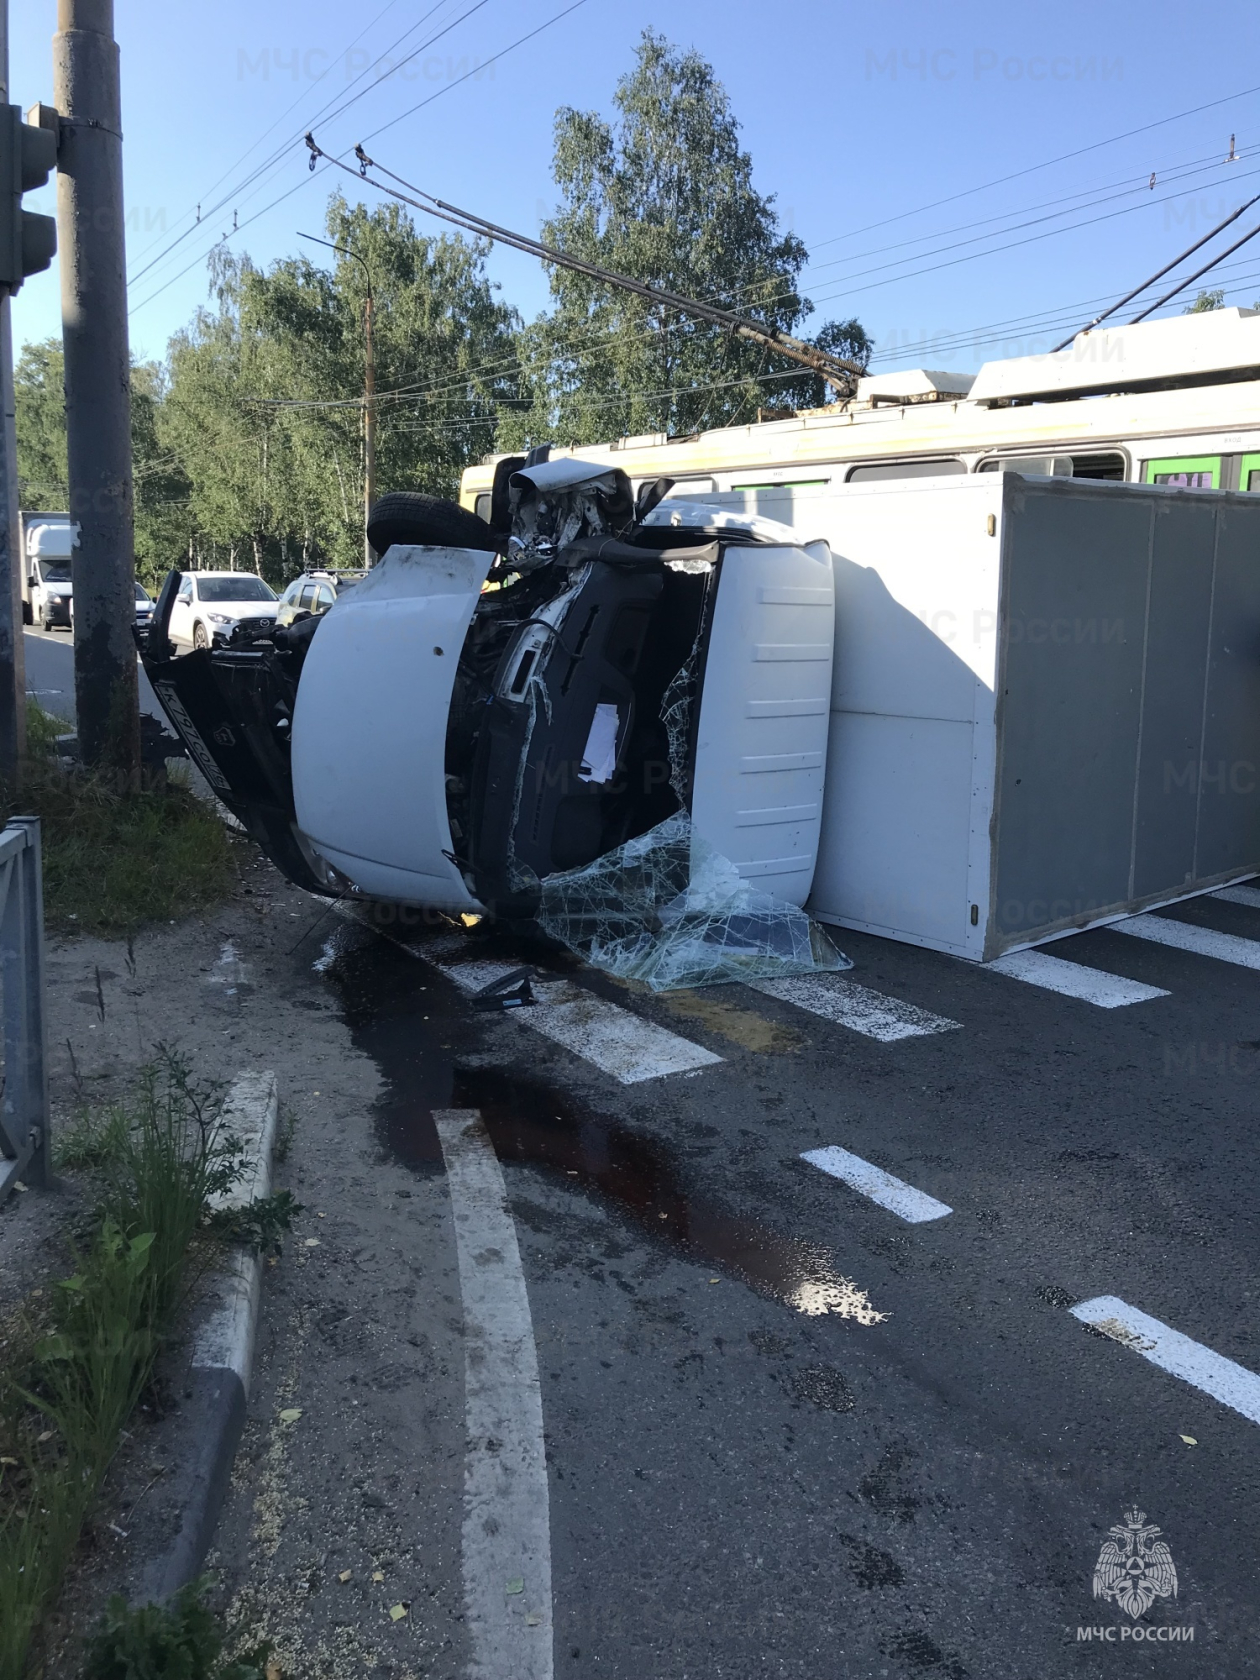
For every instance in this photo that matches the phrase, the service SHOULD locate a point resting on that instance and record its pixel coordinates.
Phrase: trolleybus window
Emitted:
(1106, 464)
(904, 469)
(1249, 473)
(1186, 472)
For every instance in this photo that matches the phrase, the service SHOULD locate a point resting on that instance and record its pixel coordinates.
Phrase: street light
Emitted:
(369, 391)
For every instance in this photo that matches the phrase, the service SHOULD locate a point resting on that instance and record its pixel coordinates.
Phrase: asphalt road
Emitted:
(50, 674)
(784, 1431)
(787, 1432)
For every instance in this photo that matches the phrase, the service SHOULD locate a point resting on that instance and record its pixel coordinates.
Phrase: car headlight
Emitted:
(220, 618)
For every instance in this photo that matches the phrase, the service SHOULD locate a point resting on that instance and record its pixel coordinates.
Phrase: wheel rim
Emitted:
(200, 639)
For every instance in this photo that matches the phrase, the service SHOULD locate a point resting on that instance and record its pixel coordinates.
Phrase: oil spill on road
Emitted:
(424, 1038)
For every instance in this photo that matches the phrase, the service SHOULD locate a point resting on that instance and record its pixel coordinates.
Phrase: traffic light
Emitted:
(27, 157)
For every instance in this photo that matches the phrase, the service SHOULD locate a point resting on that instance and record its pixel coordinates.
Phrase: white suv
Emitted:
(210, 605)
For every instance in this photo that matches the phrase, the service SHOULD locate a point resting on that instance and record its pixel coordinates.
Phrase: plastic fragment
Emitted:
(344, 1576)
(397, 1612)
(1190, 1440)
(515, 1585)
(290, 1414)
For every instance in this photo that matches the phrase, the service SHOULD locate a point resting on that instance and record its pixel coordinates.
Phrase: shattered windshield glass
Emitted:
(669, 911)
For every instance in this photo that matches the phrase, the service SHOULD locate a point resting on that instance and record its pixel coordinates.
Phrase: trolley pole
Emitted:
(12, 650)
(369, 421)
(98, 383)
(369, 386)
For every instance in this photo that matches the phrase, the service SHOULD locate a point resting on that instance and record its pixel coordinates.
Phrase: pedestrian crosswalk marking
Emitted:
(1250, 896)
(872, 1014)
(912, 1205)
(1090, 985)
(615, 1040)
(1233, 1385)
(1184, 936)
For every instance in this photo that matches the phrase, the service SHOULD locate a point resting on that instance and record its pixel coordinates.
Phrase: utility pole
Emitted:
(12, 649)
(369, 389)
(369, 421)
(98, 383)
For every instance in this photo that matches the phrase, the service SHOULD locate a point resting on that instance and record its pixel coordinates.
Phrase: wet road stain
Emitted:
(742, 1026)
(426, 1041)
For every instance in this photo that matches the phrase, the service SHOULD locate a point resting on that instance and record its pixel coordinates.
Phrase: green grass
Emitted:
(115, 859)
(65, 1396)
(179, 1640)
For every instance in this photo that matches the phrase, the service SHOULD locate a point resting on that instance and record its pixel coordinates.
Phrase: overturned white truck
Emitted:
(497, 706)
(974, 714)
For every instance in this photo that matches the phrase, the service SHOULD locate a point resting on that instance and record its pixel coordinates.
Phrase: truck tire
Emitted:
(407, 517)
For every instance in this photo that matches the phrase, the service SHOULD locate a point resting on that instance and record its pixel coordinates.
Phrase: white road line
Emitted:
(615, 1040)
(507, 1514)
(1250, 896)
(1203, 942)
(1091, 985)
(1233, 1385)
(850, 1005)
(892, 1193)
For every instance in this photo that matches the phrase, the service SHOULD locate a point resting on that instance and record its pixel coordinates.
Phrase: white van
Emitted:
(48, 541)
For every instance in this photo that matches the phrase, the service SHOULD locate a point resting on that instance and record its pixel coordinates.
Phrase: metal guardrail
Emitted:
(25, 1147)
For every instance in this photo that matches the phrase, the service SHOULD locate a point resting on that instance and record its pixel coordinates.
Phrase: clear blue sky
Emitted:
(859, 117)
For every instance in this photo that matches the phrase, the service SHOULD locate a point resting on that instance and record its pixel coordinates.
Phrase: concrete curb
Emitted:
(223, 1349)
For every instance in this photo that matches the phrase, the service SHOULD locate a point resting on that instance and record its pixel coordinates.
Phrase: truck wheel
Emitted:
(407, 517)
(200, 639)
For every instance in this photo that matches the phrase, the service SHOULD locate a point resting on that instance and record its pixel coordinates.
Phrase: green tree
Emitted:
(264, 409)
(666, 196)
(161, 491)
(39, 392)
(1204, 302)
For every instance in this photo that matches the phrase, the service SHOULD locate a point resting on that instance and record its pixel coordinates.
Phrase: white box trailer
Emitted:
(1045, 707)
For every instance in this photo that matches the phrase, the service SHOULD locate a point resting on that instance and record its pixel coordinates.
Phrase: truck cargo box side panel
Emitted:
(1178, 618)
(1069, 706)
(895, 857)
(1229, 775)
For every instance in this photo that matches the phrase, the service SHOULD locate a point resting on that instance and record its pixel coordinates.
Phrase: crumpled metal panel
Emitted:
(669, 911)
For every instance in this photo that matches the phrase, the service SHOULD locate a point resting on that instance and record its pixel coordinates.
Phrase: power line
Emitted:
(1032, 169)
(389, 6)
(446, 88)
(515, 361)
(324, 114)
